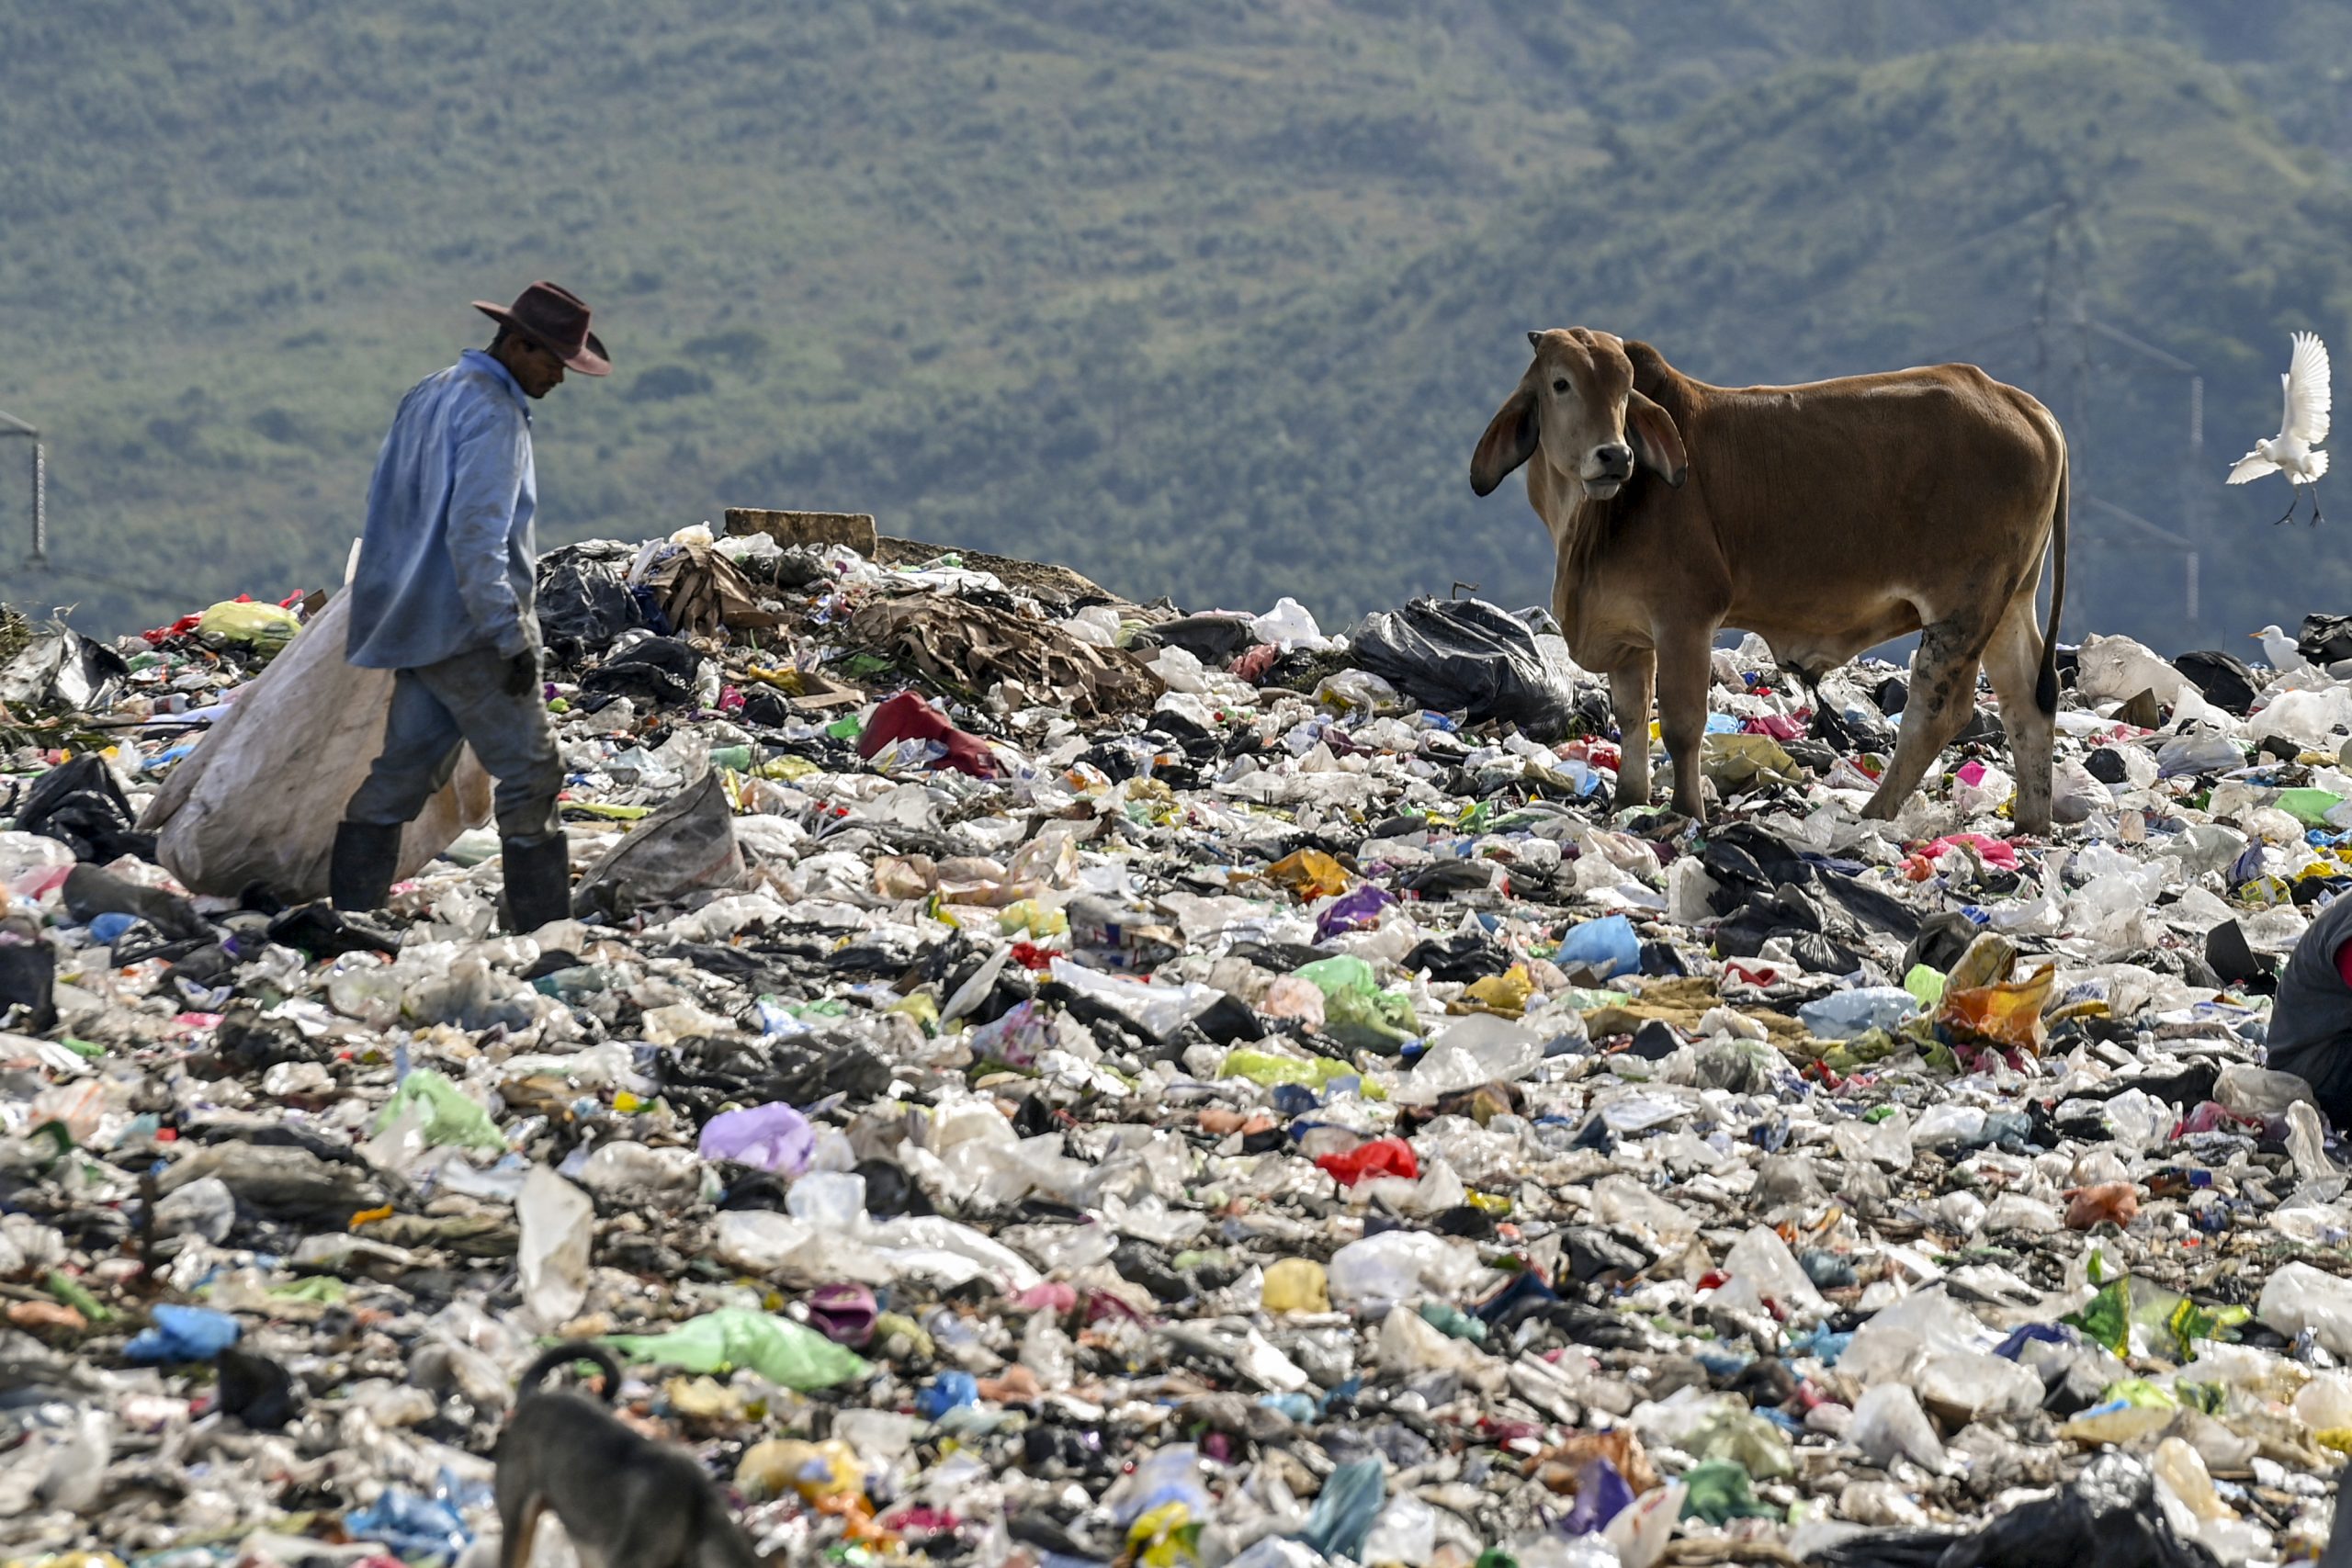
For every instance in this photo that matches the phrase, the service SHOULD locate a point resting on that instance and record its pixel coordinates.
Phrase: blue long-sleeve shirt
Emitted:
(449, 560)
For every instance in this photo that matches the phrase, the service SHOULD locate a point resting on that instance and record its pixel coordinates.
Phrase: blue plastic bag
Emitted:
(1607, 947)
(949, 1391)
(183, 1334)
(411, 1526)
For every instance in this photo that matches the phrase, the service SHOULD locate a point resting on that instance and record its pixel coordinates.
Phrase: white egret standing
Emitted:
(2292, 451)
(2279, 649)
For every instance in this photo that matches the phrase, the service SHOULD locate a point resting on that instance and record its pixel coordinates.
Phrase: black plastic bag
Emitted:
(29, 979)
(82, 807)
(585, 604)
(257, 1391)
(658, 669)
(1467, 656)
(1211, 638)
(1460, 957)
(706, 1074)
(2324, 640)
(2225, 679)
(90, 893)
(2108, 1518)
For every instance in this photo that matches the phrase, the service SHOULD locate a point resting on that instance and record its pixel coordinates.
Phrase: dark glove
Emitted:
(523, 673)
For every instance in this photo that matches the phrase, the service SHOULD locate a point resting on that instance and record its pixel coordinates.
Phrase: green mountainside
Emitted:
(1207, 297)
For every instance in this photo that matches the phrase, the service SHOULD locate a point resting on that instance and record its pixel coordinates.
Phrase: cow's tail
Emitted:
(2045, 685)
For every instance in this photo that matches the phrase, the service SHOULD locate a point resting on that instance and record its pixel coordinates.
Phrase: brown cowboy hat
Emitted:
(557, 320)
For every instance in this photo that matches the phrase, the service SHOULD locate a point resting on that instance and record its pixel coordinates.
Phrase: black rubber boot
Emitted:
(538, 882)
(366, 858)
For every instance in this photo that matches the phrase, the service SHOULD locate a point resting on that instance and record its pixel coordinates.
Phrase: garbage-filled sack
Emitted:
(259, 799)
(687, 845)
(1467, 656)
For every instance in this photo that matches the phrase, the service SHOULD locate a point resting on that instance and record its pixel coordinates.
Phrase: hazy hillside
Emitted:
(1206, 297)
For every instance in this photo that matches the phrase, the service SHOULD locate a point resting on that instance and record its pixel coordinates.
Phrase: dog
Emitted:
(624, 1500)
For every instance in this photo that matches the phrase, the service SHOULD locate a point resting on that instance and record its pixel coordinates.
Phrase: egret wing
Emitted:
(2310, 399)
(2253, 466)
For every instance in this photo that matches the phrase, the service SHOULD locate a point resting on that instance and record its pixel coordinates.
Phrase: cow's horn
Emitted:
(1535, 340)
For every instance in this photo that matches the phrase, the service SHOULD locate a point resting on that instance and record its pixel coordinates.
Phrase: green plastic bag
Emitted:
(2107, 1317)
(1927, 985)
(1334, 976)
(1746, 1440)
(2140, 1394)
(2310, 806)
(1719, 1491)
(1382, 1021)
(1266, 1069)
(785, 1353)
(448, 1116)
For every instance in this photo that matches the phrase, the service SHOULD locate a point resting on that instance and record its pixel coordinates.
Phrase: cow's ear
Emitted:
(1655, 441)
(1508, 441)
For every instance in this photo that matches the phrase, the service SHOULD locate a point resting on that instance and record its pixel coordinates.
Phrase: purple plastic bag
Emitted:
(1353, 911)
(1601, 1495)
(773, 1137)
(843, 1314)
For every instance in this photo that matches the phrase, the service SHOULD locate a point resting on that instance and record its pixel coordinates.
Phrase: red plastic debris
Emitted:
(908, 717)
(1381, 1157)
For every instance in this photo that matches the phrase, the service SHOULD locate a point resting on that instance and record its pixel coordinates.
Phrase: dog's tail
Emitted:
(564, 1355)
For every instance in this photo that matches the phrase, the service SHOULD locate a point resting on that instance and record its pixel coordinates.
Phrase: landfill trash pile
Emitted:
(1034, 1079)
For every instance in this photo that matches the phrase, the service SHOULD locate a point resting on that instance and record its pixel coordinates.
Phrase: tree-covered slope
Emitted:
(1206, 297)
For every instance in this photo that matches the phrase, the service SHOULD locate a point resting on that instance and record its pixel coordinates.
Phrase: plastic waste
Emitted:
(780, 1350)
(428, 1108)
(1468, 656)
(1346, 1509)
(2298, 1299)
(1605, 948)
(183, 1334)
(1888, 1425)
(773, 1137)
(1848, 1015)
(557, 1223)
(686, 846)
(1333, 1080)
(1296, 1284)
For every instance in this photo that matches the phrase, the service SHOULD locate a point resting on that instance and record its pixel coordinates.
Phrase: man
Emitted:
(444, 596)
(2310, 1018)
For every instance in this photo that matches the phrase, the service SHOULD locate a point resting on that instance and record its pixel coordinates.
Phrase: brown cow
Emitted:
(1825, 518)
